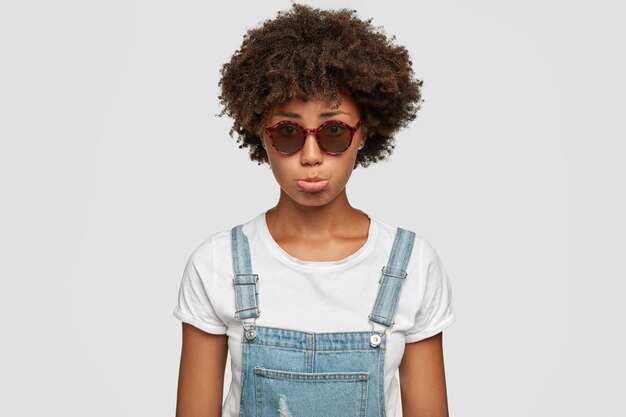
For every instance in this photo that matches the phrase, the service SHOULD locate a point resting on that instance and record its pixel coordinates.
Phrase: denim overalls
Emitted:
(293, 373)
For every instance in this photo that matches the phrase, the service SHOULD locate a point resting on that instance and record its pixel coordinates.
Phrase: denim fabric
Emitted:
(293, 373)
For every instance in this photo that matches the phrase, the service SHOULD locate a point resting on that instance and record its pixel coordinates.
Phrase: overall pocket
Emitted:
(298, 394)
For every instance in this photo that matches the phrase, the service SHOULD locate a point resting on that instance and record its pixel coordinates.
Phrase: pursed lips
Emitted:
(312, 184)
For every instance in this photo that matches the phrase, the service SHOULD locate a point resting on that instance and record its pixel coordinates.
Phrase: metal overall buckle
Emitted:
(250, 329)
(376, 338)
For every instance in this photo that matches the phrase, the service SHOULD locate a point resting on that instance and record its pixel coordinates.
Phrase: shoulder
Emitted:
(204, 252)
(210, 255)
(422, 255)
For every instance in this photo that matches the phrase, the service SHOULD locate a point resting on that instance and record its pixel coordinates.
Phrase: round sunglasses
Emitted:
(333, 136)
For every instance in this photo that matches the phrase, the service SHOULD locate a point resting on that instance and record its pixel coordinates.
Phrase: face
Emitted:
(334, 170)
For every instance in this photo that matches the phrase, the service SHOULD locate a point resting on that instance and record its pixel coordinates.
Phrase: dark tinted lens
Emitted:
(335, 138)
(288, 138)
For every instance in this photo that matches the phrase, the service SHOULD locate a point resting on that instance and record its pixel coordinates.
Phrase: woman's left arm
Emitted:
(423, 379)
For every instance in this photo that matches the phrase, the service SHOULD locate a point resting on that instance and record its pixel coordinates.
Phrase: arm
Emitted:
(422, 379)
(201, 375)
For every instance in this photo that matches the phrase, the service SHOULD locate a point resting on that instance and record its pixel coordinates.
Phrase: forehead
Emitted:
(344, 104)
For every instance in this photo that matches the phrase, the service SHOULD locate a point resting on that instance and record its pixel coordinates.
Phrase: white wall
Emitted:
(113, 168)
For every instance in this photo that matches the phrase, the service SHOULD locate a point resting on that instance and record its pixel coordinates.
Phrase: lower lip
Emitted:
(312, 186)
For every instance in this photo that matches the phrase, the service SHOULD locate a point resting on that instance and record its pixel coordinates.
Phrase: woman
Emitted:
(346, 299)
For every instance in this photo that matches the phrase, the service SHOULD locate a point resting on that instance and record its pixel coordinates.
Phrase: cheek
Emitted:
(284, 169)
(342, 169)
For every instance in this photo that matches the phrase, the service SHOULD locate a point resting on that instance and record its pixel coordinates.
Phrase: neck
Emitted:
(291, 218)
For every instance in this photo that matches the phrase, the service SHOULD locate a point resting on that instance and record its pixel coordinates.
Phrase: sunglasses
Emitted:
(333, 136)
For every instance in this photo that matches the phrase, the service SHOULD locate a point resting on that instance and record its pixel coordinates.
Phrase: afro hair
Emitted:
(310, 53)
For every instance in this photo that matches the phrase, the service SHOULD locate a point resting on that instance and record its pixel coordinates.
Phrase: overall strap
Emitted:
(392, 277)
(245, 282)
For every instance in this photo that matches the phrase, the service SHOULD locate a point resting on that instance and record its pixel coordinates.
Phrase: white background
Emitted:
(114, 168)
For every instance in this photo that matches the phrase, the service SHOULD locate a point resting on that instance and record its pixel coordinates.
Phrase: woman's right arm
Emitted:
(201, 374)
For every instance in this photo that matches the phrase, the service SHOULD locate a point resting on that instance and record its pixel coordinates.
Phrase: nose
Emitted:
(311, 153)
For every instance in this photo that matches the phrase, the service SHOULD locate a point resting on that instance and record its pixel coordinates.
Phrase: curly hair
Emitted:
(311, 53)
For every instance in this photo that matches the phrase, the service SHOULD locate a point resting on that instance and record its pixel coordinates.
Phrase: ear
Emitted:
(260, 136)
(364, 135)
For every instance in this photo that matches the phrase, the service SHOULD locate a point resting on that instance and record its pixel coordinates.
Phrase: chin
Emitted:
(319, 198)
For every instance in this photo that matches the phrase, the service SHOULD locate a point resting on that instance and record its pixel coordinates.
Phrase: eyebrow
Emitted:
(324, 115)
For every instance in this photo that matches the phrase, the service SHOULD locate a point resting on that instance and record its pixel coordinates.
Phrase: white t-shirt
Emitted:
(313, 296)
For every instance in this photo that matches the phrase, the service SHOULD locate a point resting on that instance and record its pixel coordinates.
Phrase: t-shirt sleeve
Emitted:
(435, 312)
(194, 303)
